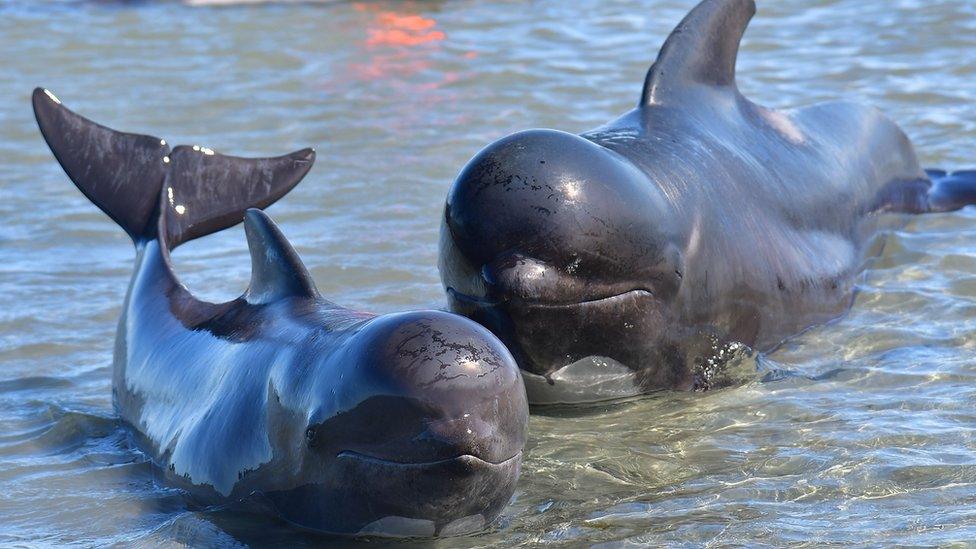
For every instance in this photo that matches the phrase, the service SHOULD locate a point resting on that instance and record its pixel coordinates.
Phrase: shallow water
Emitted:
(872, 440)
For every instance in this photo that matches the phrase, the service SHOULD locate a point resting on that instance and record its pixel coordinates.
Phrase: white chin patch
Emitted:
(402, 527)
(466, 525)
(592, 379)
(399, 527)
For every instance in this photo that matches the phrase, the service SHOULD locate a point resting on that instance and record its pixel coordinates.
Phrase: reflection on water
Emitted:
(394, 29)
(863, 431)
(390, 47)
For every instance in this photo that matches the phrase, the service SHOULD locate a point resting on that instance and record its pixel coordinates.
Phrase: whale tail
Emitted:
(153, 191)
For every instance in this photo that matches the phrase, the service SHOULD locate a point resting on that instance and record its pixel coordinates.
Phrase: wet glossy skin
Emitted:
(694, 221)
(340, 418)
(407, 424)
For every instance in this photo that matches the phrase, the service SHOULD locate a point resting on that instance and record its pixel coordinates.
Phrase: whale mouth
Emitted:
(461, 458)
(586, 303)
(594, 302)
(623, 330)
(375, 497)
(443, 498)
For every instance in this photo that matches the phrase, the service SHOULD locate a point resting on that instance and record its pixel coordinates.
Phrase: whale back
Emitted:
(701, 51)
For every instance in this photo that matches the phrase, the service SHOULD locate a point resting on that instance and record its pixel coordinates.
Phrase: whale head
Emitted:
(565, 250)
(420, 434)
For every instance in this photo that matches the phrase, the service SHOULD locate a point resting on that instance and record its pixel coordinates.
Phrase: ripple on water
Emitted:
(858, 432)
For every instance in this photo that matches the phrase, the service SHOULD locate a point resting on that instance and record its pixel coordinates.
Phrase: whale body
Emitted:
(408, 424)
(637, 256)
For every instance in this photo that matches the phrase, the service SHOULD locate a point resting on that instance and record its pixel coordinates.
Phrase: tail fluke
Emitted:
(205, 192)
(152, 191)
(121, 173)
(951, 191)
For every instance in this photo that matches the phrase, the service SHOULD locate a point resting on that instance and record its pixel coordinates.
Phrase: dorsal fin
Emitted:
(276, 270)
(701, 50)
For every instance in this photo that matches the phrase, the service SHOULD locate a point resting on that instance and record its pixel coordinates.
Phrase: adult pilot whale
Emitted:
(637, 255)
(406, 424)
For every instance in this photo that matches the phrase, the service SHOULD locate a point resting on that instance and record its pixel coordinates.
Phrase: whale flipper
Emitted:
(276, 270)
(951, 191)
(133, 177)
(701, 50)
(206, 192)
(119, 172)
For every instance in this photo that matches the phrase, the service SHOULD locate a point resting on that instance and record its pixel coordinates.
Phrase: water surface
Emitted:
(871, 442)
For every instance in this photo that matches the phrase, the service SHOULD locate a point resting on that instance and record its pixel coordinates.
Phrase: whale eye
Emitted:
(310, 435)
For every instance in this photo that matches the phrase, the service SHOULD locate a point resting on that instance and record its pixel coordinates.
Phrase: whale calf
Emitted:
(408, 424)
(641, 254)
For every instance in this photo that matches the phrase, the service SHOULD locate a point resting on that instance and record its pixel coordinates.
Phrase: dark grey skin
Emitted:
(407, 424)
(643, 252)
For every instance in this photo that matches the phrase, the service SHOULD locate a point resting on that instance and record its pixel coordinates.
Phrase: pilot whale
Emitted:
(407, 424)
(641, 254)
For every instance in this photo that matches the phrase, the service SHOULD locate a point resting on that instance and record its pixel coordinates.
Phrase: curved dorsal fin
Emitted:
(276, 270)
(701, 50)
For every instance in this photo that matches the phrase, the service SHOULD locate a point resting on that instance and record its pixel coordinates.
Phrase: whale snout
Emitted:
(457, 379)
(429, 432)
(549, 233)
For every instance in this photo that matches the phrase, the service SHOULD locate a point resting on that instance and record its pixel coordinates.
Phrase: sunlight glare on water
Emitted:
(869, 440)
